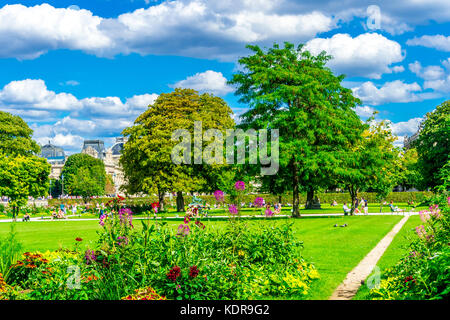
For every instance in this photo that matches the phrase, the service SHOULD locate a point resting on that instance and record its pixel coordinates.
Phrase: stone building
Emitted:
(95, 148)
(110, 157)
(56, 157)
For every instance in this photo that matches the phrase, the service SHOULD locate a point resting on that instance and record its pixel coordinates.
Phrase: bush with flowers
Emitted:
(194, 261)
(424, 272)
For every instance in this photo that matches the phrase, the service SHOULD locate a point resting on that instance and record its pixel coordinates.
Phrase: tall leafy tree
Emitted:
(410, 176)
(15, 136)
(84, 176)
(146, 158)
(22, 173)
(22, 177)
(373, 163)
(292, 90)
(433, 144)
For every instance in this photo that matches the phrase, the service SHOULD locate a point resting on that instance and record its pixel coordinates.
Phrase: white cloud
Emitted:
(368, 55)
(436, 77)
(208, 81)
(198, 28)
(108, 116)
(406, 127)
(28, 32)
(364, 111)
(72, 83)
(33, 94)
(398, 69)
(427, 73)
(195, 28)
(438, 42)
(395, 91)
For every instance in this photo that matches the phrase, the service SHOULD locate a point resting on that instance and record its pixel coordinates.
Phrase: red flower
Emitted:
(174, 273)
(78, 239)
(193, 272)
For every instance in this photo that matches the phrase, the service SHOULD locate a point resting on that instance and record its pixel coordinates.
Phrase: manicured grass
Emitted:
(397, 249)
(326, 208)
(335, 251)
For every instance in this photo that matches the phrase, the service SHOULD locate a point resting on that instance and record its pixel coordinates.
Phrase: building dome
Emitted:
(52, 152)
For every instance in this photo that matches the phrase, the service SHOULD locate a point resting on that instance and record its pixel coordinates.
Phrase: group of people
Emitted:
(361, 203)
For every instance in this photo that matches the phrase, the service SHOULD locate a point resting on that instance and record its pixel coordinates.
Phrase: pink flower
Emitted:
(219, 195)
(183, 230)
(424, 216)
(420, 230)
(233, 209)
(259, 202)
(239, 185)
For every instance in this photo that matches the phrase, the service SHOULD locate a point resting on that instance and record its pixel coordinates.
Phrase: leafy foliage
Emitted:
(433, 145)
(84, 176)
(293, 91)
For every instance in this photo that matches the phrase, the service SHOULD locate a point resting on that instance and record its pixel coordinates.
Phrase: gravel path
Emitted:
(348, 288)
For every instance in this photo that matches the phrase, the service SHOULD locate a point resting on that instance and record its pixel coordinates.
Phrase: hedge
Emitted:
(417, 197)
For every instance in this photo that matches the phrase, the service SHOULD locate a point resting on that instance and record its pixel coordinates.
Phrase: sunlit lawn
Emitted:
(398, 247)
(335, 251)
(326, 209)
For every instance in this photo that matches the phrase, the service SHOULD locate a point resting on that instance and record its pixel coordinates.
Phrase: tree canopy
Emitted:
(433, 144)
(292, 90)
(15, 136)
(147, 156)
(22, 173)
(84, 176)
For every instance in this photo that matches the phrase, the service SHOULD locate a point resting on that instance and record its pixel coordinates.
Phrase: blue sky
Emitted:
(79, 70)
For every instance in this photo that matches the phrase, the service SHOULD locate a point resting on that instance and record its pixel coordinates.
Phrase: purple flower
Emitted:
(219, 195)
(126, 215)
(183, 230)
(102, 220)
(259, 202)
(89, 256)
(239, 185)
(233, 209)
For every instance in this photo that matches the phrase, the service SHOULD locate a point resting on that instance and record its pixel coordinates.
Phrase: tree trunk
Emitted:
(353, 194)
(279, 198)
(180, 201)
(295, 193)
(309, 199)
(161, 201)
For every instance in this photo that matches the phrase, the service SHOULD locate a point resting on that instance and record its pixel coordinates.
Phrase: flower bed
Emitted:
(193, 261)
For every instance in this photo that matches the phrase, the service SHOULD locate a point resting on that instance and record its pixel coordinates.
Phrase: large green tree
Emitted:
(147, 156)
(433, 144)
(22, 177)
(84, 176)
(22, 173)
(15, 136)
(371, 164)
(292, 90)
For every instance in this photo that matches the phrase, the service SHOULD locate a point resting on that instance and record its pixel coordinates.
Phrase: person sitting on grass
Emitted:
(346, 208)
(334, 203)
(394, 209)
(54, 215)
(26, 217)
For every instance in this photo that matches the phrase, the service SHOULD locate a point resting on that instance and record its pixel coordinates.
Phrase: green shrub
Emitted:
(424, 272)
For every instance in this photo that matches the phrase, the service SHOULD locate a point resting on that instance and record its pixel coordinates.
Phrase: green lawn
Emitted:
(326, 208)
(398, 247)
(335, 251)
